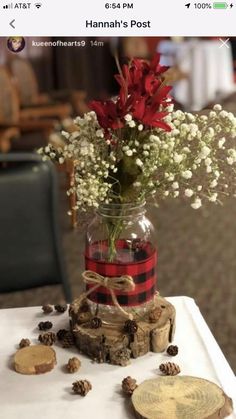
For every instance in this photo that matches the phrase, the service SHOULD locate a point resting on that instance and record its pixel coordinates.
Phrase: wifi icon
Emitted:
(38, 5)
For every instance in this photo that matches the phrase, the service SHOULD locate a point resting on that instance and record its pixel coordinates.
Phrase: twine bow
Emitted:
(124, 283)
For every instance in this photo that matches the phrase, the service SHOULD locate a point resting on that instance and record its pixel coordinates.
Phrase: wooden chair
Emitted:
(32, 104)
(11, 122)
(58, 104)
(12, 125)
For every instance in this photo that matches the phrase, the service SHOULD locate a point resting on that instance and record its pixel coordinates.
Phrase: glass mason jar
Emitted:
(120, 241)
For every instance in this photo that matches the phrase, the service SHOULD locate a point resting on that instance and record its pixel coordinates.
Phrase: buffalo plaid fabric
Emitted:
(143, 272)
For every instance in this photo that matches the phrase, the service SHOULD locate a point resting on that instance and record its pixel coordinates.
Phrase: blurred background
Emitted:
(42, 88)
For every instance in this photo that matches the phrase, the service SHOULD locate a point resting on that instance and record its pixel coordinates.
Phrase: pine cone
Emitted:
(61, 334)
(155, 314)
(95, 323)
(84, 317)
(24, 342)
(68, 340)
(82, 387)
(84, 306)
(121, 357)
(73, 364)
(129, 385)
(60, 308)
(169, 368)
(130, 326)
(48, 338)
(172, 350)
(47, 308)
(45, 325)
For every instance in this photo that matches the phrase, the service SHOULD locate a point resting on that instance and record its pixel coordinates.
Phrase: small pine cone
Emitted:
(84, 317)
(121, 357)
(130, 326)
(47, 308)
(95, 323)
(68, 340)
(73, 365)
(45, 325)
(129, 385)
(155, 314)
(172, 350)
(84, 306)
(24, 342)
(60, 308)
(169, 368)
(61, 334)
(48, 338)
(82, 387)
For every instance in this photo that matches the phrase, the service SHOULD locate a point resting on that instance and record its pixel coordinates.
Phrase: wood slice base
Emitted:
(36, 359)
(110, 343)
(181, 397)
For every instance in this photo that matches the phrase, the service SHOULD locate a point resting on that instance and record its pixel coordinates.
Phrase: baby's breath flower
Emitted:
(217, 107)
(178, 158)
(212, 114)
(132, 124)
(214, 183)
(221, 142)
(64, 134)
(187, 174)
(197, 203)
(208, 161)
(172, 163)
(188, 193)
(99, 133)
(213, 197)
(205, 151)
(129, 153)
(139, 162)
(128, 117)
(175, 185)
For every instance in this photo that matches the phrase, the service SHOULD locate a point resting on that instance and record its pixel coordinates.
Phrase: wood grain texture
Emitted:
(181, 397)
(36, 359)
(110, 342)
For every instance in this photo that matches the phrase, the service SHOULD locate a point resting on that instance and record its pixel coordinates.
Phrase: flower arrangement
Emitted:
(136, 146)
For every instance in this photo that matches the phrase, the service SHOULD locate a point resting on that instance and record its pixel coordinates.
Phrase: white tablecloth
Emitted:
(209, 66)
(49, 395)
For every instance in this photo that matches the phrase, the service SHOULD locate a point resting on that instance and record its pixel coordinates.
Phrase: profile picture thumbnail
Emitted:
(16, 43)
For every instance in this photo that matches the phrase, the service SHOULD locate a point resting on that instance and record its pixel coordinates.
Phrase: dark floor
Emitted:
(197, 258)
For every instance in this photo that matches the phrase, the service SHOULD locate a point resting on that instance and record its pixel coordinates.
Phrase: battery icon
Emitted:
(220, 5)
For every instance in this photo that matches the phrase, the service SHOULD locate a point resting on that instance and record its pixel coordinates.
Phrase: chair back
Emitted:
(9, 100)
(25, 77)
(30, 246)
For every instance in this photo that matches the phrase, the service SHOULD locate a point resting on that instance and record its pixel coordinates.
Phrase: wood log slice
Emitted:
(110, 341)
(181, 397)
(36, 359)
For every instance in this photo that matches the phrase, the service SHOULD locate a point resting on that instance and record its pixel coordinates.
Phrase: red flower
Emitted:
(142, 95)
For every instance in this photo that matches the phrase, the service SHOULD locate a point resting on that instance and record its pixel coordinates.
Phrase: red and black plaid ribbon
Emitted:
(143, 272)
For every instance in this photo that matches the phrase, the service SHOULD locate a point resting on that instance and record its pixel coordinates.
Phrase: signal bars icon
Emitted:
(38, 5)
(8, 6)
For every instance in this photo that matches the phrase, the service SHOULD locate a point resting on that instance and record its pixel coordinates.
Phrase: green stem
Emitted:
(114, 230)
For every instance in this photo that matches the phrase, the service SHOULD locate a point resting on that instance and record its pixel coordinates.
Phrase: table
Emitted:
(49, 395)
(208, 66)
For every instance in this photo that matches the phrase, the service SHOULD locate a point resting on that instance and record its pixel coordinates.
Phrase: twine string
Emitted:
(123, 283)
